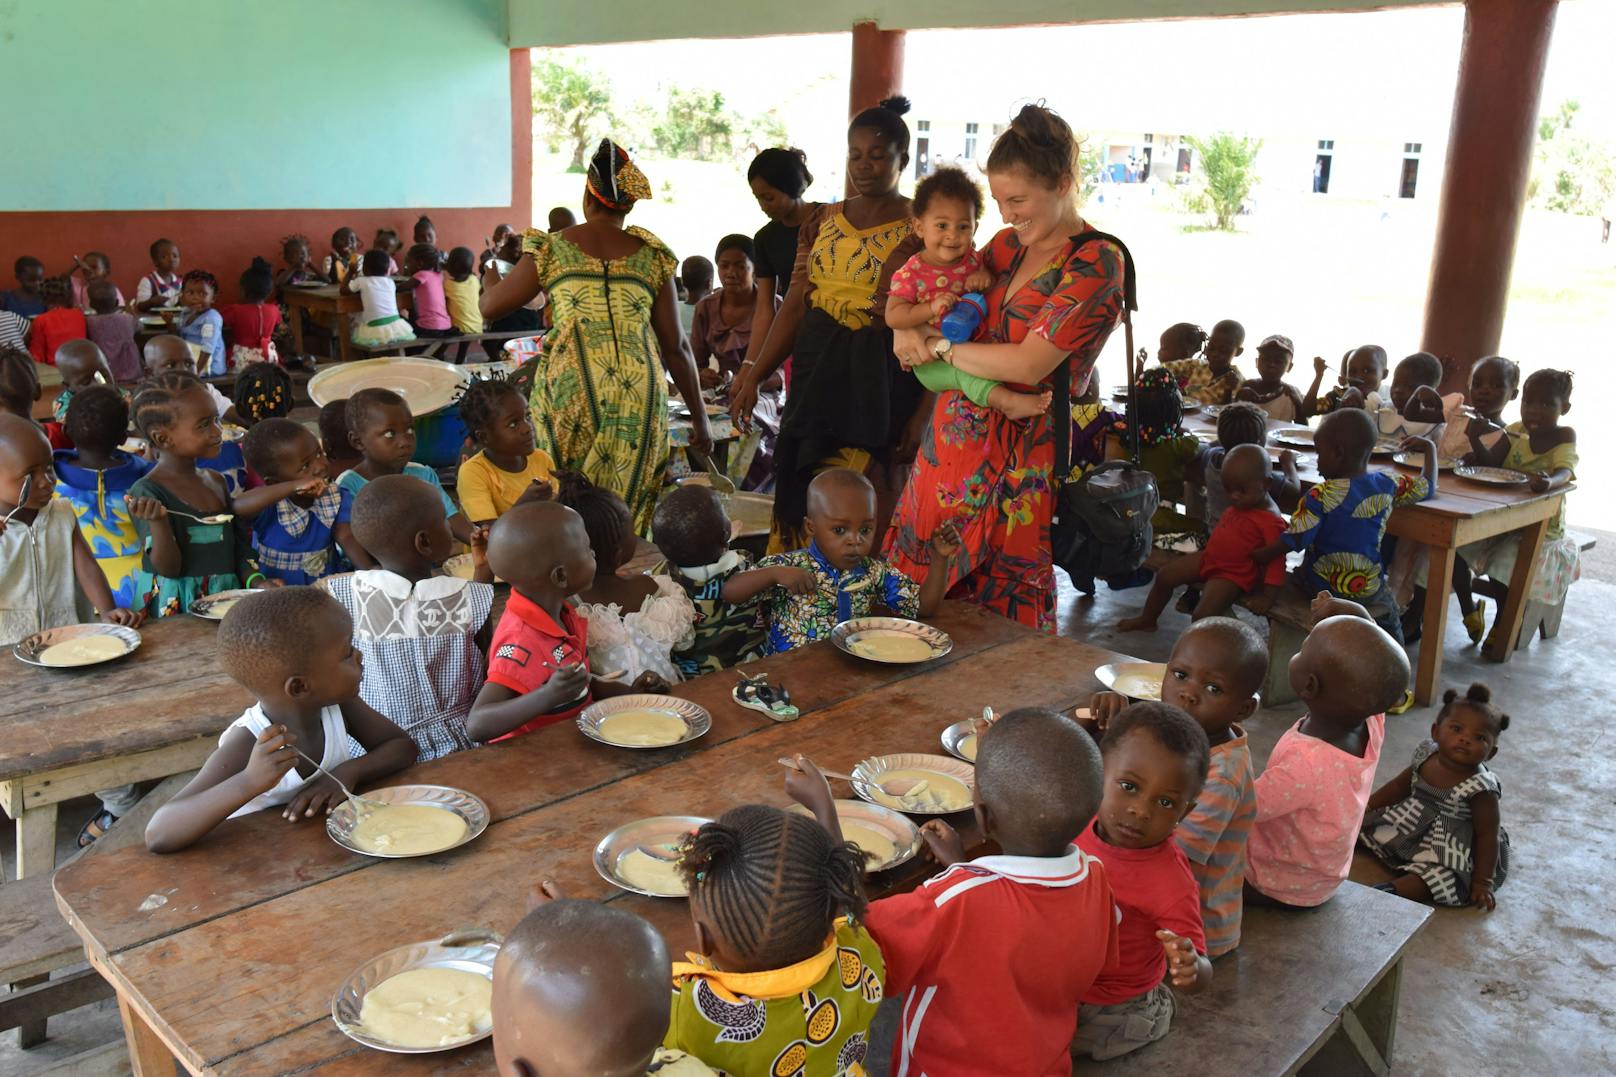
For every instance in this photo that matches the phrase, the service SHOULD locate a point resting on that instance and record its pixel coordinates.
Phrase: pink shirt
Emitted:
(431, 312)
(1310, 804)
(920, 282)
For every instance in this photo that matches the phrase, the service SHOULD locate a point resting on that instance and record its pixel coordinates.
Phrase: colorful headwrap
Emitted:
(624, 186)
(1160, 409)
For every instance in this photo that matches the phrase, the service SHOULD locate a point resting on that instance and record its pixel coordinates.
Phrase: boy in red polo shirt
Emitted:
(1156, 759)
(538, 661)
(992, 956)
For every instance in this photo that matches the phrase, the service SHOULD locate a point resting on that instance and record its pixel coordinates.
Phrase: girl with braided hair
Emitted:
(787, 980)
(198, 323)
(637, 620)
(507, 464)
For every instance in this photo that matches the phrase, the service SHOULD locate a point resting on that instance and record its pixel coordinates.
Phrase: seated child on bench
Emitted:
(1311, 795)
(846, 582)
(1156, 760)
(291, 648)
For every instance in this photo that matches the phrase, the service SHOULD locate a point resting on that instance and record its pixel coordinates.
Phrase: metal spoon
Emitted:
(216, 518)
(720, 482)
(895, 787)
(361, 805)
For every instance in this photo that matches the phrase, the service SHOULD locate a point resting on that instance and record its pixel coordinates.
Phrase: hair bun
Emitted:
(898, 104)
(1479, 693)
(1450, 695)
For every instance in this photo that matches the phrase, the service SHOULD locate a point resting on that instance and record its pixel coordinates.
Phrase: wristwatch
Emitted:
(943, 349)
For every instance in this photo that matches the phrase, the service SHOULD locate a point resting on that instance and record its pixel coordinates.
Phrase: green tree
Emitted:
(1571, 173)
(1225, 165)
(694, 123)
(570, 99)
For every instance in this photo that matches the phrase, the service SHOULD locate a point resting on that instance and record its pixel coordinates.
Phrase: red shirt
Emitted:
(54, 328)
(993, 956)
(250, 325)
(528, 646)
(1155, 890)
(1228, 551)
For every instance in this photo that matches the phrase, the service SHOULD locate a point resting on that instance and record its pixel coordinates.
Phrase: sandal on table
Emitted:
(754, 693)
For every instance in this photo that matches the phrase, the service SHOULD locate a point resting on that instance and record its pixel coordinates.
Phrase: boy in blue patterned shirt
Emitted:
(846, 581)
(1341, 521)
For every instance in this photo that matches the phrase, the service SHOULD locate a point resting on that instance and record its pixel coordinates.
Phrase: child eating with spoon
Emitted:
(290, 648)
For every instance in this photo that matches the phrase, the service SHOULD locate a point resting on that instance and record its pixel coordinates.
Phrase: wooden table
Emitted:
(335, 301)
(1462, 511)
(226, 955)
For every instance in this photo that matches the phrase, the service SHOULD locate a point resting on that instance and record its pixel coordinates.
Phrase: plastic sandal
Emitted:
(1475, 622)
(96, 828)
(754, 693)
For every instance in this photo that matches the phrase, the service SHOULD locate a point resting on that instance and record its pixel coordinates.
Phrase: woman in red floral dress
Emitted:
(1052, 299)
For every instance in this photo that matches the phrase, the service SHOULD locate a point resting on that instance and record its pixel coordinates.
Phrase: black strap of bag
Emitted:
(1063, 383)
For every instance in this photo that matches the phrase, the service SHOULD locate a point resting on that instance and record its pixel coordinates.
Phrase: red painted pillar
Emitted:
(877, 69)
(1490, 143)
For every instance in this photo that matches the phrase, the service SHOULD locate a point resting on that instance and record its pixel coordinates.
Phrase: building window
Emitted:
(970, 147)
(1149, 138)
(1412, 147)
(923, 125)
(970, 128)
(1327, 144)
(998, 129)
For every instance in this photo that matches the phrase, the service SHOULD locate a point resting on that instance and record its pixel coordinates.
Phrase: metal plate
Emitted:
(29, 650)
(459, 566)
(1389, 447)
(467, 951)
(954, 736)
(656, 830)
(1135, 676)
(1417, 461)
(206, 607)
(339, 825)
(425, 384)
(695, 717)
(1297, 437)
(872, 769)
(905, 835)
(1492, 476)
(232, 432)
(844, 634)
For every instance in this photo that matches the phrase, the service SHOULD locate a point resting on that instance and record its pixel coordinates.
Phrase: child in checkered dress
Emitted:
(424, 638)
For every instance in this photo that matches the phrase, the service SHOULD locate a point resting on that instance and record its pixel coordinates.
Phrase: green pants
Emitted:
(939, 376)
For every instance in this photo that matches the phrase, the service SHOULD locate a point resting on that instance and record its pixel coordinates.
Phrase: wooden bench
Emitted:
(433, 347)
(1310, 992)
(1542, 619)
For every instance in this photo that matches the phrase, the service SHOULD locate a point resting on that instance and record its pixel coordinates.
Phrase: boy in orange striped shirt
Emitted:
(1214, 672)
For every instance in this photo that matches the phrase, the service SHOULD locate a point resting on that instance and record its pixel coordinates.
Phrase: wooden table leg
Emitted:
(1501, 641)
(36, 840)
(149, 1056)
(1438, 590)
(298, 314)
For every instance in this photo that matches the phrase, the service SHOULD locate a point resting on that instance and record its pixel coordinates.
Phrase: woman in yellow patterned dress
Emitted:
(850, 404)
(599, 401)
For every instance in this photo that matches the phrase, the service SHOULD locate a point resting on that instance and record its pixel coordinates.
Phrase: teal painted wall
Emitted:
(580, 22)
(235, 104)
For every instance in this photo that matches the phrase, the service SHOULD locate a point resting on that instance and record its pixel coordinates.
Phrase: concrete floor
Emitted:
(1520, 990)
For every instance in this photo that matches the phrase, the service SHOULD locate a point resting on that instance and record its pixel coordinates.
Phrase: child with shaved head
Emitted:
(581, 990)
(839, 580)
(1312, 794)
(290, 648)
(992, 957)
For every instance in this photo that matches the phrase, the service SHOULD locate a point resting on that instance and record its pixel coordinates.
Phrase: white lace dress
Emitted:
(643, 639)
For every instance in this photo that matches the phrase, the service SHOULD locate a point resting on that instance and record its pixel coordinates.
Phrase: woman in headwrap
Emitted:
(850, 404)
(599, 403)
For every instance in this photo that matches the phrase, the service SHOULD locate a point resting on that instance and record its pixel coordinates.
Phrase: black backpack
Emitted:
(1101, 523)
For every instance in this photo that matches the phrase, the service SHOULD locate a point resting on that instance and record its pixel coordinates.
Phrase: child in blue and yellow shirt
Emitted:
(835, 578)
(1340, 522)
(94, 477)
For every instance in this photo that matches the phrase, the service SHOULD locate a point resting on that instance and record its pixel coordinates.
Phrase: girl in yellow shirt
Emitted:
(507, 464)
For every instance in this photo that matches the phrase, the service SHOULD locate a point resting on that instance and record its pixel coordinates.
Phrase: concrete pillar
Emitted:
(877, 72)
(1490, 143)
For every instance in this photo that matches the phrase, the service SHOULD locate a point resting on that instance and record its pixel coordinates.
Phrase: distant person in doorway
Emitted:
(600, 273)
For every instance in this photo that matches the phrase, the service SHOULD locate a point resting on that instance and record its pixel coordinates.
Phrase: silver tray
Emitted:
(1112, 673)
(955, 735)
(1416, 461)
(695, 717)
(468, 951)
(895, 825)
(843, 635)
(342, 820)
(873, 768)
(204, 607)
(1492, 476)
(655, 830)
(29, 650)
(1296, 437)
